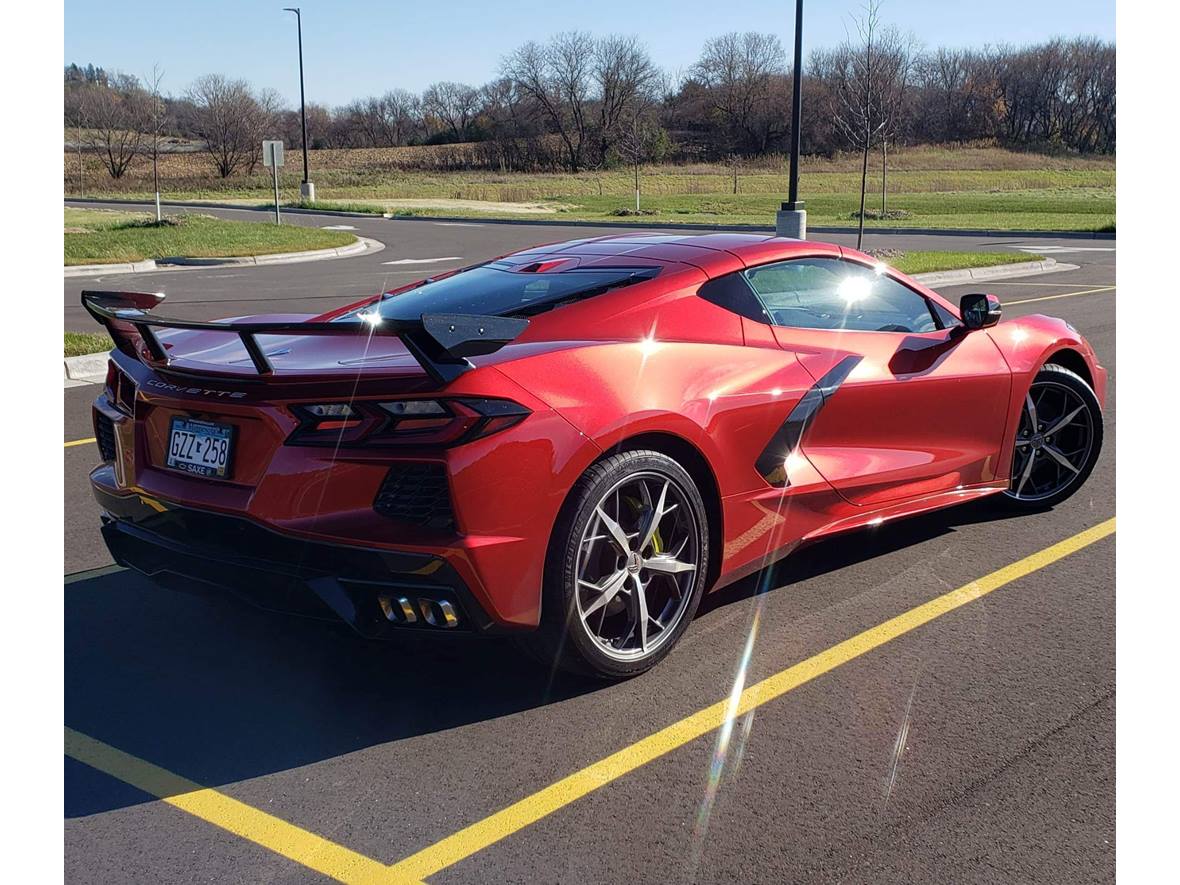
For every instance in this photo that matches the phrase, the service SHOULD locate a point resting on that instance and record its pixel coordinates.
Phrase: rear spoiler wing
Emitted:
(441, 343)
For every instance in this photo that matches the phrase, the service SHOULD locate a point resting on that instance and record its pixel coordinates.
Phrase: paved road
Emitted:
(976, 748)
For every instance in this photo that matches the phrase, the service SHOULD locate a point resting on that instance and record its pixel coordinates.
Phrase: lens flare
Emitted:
(854, 289)
(722, 748)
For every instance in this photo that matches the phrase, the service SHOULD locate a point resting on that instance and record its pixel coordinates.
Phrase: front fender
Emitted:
(1027, 344)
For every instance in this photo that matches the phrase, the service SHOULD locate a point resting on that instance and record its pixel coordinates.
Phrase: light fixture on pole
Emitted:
(306, 188)
(791, 220)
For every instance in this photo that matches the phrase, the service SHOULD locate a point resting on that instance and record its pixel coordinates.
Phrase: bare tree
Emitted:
(232, 121)
(452, 104)
(744, 76)
(558, 79)
(626, 83)
(509, 119)
(75, 119)
(387, 120)
(641, 139)
(112, 118)
(262, 122)
(157, 121)
(869, 82)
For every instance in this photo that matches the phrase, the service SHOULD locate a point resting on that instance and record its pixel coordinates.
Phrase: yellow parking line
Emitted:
(288, 840)
(1062, 295)
(79, 442)
(532, 808)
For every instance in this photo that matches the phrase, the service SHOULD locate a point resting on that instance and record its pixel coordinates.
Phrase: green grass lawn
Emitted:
(80, 343)
(1076, 209)
(934, 187)
(81, 220)
(929, 262)
(100, 237)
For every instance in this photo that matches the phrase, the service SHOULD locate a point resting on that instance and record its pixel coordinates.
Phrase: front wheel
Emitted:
(1057, 441)
(626, 567)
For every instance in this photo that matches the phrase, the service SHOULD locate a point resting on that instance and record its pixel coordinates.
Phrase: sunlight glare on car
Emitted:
(854, 289)
(372, 317)
(648, 345)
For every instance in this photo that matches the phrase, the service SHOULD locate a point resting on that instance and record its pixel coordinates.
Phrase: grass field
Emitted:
(81, 343)
(95, 236)
(933, 187)
(930, 262)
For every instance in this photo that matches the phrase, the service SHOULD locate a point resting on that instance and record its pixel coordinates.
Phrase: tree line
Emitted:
(579, 101)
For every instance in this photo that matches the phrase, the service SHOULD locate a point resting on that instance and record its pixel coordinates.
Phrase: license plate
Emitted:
(200, 447)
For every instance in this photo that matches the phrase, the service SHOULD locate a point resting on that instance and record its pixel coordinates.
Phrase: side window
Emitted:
(828, 293)
(946, 319)
(734, 294)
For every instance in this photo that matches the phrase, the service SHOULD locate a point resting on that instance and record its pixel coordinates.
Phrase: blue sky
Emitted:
(354, 48)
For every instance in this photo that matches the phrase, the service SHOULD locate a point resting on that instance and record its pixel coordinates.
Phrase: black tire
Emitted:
(564, 639)
(1084, 442)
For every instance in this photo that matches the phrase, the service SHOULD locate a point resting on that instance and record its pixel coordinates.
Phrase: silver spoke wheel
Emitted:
(636, 565)
(1053, 441)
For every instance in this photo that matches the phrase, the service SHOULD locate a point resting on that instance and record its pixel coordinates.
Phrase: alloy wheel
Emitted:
(1053, 441)
(636, 565)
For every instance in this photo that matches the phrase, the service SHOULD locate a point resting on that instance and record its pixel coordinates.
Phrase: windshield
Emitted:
(495, 290)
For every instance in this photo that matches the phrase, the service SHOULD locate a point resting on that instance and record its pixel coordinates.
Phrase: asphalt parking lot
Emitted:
(915, 707)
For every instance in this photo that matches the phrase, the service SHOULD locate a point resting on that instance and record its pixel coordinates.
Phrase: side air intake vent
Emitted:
(416, 493)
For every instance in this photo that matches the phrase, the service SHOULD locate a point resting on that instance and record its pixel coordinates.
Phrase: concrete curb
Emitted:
(655, 225)
(89, 270)
(994, 272)
(362, 245)
(89, 368)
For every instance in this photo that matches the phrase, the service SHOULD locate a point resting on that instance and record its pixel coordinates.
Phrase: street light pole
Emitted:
(306, 189)
(792, 218)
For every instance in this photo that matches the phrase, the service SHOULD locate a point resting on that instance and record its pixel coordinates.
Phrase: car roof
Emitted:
(714, 253)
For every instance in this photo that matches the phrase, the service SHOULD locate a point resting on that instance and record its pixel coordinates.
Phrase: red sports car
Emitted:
(575, 442)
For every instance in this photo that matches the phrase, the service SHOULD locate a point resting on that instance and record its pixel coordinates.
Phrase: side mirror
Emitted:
(979, 311)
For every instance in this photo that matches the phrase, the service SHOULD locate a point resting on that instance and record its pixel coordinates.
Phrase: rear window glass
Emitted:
(494, 290)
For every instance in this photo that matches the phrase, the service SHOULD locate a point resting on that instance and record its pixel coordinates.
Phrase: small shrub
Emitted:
(876, 215)
(166, 221)
(627, 212)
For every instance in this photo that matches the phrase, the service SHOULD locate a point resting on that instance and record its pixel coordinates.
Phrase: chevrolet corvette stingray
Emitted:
(573, 443)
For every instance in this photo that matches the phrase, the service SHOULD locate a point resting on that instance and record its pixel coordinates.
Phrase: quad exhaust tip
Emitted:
(402, 610)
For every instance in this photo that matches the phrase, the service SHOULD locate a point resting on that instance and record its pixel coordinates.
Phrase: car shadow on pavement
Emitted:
(219, 692)
(834, 553)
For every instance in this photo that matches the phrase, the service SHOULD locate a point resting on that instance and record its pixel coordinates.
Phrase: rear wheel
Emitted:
(1057, 440)
(626, 567)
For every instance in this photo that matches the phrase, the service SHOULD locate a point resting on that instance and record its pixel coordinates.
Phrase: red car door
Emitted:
(911, 404)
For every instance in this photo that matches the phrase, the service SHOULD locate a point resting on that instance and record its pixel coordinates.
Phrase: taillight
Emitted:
(120, 389)
(409, 422)
(332, 416)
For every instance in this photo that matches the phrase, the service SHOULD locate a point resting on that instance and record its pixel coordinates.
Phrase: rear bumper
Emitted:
(378, 592)
(505, 490)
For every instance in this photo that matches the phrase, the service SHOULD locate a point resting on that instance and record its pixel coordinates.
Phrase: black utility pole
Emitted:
(302, 101)
(796, 111)
(791, 219)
